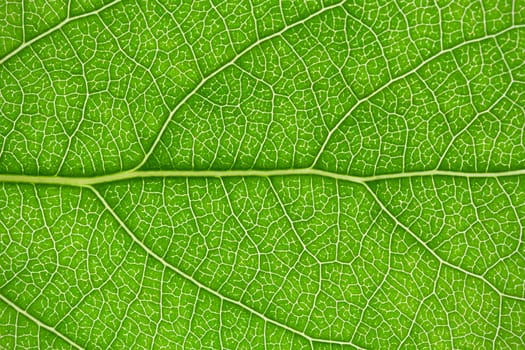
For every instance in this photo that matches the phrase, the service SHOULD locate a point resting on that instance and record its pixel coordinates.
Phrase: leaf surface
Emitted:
(262, 175)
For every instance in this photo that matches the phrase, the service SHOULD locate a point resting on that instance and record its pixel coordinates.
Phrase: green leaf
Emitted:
(262, 174)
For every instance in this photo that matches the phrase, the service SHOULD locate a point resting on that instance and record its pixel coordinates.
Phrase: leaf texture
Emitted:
(262, 174)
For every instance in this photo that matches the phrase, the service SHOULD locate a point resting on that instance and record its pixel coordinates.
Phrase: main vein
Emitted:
(138, 174)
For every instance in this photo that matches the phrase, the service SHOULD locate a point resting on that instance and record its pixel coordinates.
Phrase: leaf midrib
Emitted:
(143, 174)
